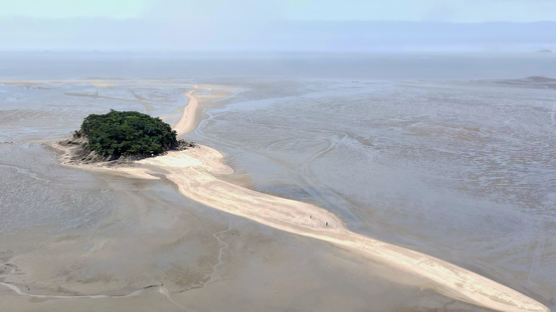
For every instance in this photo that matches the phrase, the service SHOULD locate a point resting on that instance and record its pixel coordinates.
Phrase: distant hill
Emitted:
(531, 82)
(315, 36)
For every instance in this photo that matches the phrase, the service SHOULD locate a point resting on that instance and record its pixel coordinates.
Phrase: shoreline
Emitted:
(195, 171)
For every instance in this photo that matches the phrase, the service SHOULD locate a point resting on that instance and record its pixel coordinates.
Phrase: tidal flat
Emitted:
(470, 183)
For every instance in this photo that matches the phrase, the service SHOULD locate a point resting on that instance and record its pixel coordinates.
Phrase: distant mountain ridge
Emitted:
(325, 36)
(531, 82)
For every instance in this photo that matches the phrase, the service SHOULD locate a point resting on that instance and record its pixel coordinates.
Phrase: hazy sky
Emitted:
(278, 25)
(368, 10)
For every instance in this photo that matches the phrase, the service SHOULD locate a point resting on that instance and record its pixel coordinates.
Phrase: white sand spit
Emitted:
(189, 119)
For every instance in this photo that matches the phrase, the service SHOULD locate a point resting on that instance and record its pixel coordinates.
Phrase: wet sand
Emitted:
(195, 172)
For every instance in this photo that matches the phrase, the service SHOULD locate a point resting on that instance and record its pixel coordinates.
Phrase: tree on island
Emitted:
(127, 134)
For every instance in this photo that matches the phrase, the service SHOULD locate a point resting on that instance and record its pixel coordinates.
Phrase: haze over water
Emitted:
(451, 155)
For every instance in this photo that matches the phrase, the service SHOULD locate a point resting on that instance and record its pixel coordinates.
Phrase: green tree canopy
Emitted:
(118, 134)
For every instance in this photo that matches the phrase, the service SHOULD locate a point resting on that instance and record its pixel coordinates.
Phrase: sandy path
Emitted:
(189, 117)
(195, 173)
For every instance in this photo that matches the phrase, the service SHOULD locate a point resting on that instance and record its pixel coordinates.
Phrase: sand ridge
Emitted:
(195, 172)
(189, 119)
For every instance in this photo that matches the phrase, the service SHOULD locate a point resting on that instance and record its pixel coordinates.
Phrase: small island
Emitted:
(120, 136)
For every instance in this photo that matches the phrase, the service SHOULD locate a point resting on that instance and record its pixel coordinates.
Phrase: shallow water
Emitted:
(460, 168)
